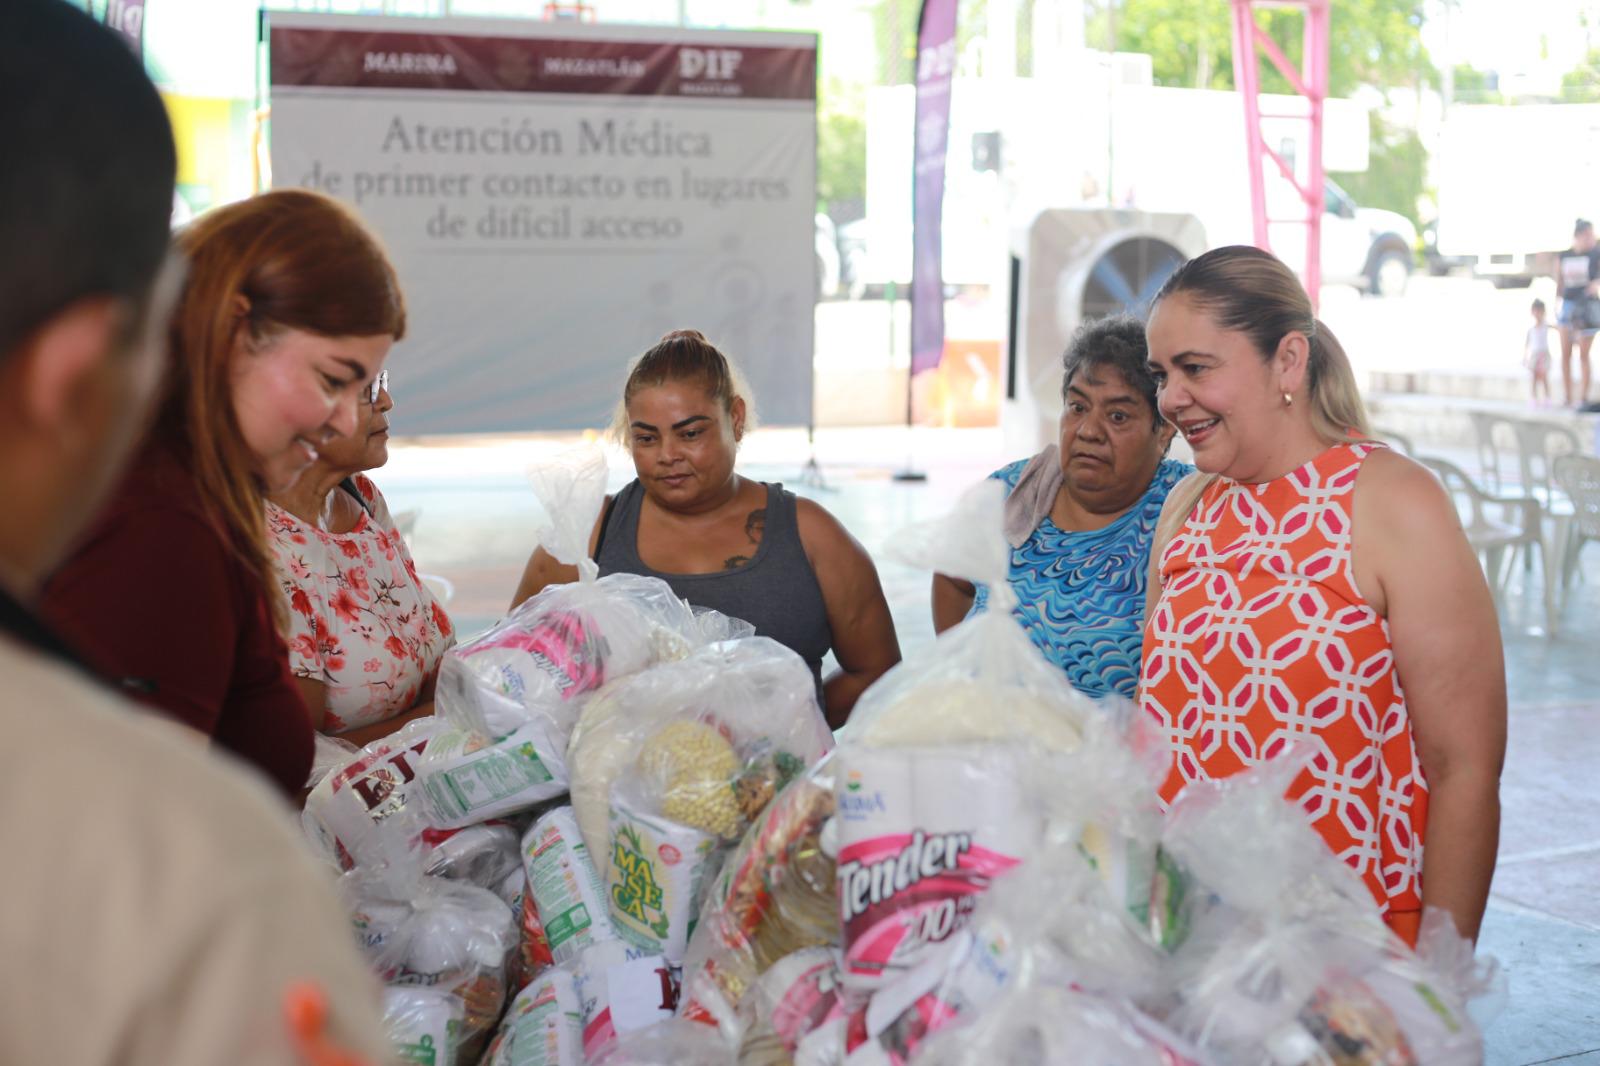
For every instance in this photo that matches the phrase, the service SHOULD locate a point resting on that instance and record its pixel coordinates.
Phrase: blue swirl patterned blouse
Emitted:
(1080, 596)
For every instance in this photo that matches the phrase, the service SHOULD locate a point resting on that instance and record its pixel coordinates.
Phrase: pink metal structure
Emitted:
(1250, 41)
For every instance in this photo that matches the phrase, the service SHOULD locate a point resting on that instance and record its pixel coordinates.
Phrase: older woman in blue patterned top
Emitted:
(1081, 513)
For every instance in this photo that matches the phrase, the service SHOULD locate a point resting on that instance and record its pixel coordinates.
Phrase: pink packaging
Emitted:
(922, 832)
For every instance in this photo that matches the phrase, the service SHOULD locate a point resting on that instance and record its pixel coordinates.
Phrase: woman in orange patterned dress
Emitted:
(1311, 587)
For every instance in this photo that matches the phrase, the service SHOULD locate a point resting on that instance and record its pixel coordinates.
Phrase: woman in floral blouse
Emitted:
(365, 634)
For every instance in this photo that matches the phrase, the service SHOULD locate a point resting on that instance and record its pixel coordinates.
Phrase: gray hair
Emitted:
(1117, 342)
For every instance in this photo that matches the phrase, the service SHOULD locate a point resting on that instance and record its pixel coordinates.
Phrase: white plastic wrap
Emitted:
(1052, 1024)
(621, 989)
(559, 646)
(774, 898)
(567, 897)
(669, 1043)
(1289, 961)
(982, 680)
(749, 705)
(432, 933)
(361, 811)
(542, 1027)
(423, 1024)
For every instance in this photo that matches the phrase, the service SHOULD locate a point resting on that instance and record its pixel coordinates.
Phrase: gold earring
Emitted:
(1288, 399)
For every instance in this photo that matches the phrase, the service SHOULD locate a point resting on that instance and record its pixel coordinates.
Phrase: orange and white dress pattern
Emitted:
(1260, 639)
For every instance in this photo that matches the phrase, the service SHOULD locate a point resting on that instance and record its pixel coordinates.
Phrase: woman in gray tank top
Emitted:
(745, 548)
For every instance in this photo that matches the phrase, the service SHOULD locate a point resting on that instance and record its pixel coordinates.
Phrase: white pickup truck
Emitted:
(1155, 148)
(1512, 181)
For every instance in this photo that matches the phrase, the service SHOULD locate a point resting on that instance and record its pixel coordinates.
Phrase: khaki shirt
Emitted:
(156, 904)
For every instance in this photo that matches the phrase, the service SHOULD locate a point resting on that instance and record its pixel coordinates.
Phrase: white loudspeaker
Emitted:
(1067, 267)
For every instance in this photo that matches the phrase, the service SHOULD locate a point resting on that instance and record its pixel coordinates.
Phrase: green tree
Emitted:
(1397, 167)
(1474, 86)
(1376, 43)
(1373, 43)
(841, 144)
(1581, 84)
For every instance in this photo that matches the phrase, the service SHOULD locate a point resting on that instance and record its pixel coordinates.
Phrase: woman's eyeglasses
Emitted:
(379, 384)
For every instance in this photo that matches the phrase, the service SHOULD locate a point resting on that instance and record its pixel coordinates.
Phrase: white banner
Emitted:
(556, 197)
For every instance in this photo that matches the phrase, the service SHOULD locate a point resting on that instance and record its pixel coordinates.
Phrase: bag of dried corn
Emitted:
(670, 766)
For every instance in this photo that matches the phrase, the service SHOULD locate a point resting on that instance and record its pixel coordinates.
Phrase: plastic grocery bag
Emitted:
(1046, 1023)
(669, 1043)
(429, 932)
(423, 1024)
(689, 753)
(982, 679)
(774, 898)
(708, 739)
(1289, 961)
(944, 771)
(510, 697)
(542, 1027)
(361, 809)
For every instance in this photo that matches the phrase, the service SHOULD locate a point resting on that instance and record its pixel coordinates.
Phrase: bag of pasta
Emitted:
(774, 899)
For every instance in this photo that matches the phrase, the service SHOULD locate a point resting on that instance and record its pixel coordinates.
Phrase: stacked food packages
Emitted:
(978, 873)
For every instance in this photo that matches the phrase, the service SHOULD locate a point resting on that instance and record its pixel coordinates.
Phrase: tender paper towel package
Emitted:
(921, 833)
(568, 899)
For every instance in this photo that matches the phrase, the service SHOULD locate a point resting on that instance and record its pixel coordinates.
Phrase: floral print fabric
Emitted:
(360, 620)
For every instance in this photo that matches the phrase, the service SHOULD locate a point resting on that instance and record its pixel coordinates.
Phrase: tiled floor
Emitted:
(477, 526)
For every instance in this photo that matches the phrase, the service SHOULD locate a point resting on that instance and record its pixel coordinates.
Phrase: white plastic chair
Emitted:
(1496, 539)
(1539, 444)
(1579, 477)
(1496, 437)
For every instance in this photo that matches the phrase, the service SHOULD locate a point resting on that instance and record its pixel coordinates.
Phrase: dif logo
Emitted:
(712, 64)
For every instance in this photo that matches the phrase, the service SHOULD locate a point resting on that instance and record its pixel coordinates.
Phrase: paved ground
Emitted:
(476, 527)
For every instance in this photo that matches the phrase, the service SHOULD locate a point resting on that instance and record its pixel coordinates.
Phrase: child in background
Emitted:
(1536, 354)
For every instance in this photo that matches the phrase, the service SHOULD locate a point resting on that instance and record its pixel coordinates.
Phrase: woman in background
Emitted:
(748, 549)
